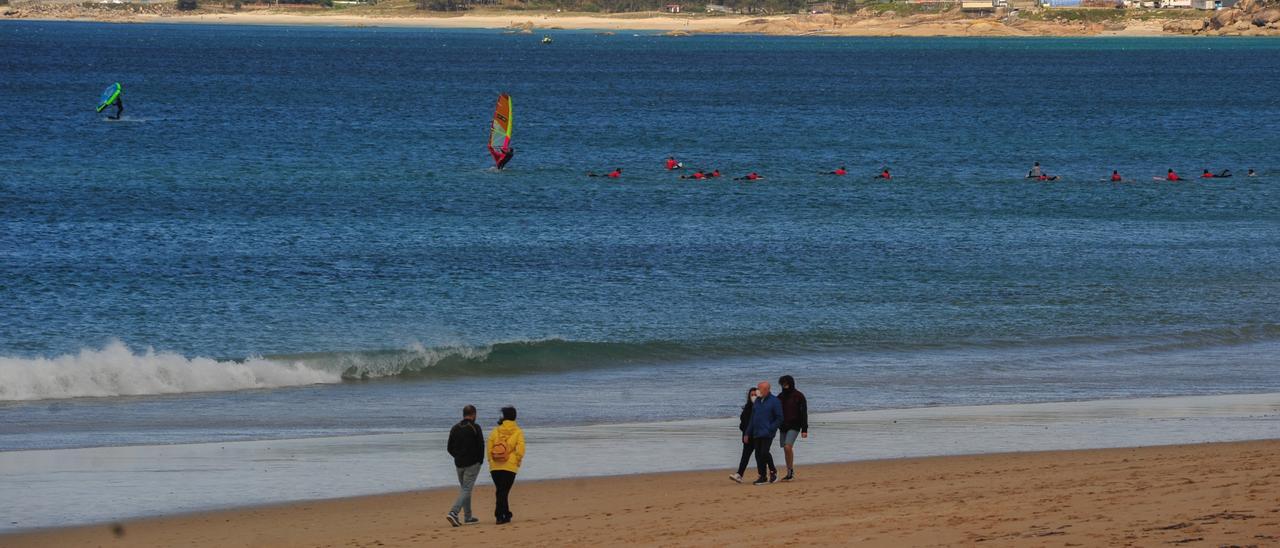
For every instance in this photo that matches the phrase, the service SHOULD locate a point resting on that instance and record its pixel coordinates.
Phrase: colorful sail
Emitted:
(109, 95)
(500, 130)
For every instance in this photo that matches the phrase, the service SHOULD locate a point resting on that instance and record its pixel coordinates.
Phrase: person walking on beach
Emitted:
(766, 417)
(506, 452)
(795, 421)
(466, 445)
(744, 419)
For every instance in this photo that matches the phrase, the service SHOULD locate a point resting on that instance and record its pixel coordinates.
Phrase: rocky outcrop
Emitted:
(1247, 18)
(1266, 17)
(1185, 26)
(1226, 18)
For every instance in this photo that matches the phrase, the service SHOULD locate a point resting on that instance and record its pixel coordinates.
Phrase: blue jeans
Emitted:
(467, 479)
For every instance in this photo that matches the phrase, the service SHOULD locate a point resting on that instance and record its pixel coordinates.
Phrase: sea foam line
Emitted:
(115, 370)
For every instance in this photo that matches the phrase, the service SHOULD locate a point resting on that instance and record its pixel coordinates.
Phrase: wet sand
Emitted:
(1189, 495)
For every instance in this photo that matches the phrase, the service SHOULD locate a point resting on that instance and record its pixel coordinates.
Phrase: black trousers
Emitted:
(502, 480)
(747, 449)
(764, 459)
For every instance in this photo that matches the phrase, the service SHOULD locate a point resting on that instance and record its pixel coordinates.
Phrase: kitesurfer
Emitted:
(1115, 176)
(884, 174)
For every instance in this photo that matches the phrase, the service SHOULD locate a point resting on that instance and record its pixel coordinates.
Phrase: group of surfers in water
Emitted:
(672, 165)
(1039, 174)
(1036, 173)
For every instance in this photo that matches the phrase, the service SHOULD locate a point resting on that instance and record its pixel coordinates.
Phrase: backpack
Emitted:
(500, 452)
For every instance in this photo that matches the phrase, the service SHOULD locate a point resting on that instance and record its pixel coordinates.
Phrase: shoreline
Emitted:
(1201, 495)
(104, 484)
(947, 24)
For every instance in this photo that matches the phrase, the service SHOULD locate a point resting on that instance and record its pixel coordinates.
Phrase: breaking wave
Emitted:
(115, 370)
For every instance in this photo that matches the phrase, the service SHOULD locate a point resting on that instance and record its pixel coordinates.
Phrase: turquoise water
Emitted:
(303, 225)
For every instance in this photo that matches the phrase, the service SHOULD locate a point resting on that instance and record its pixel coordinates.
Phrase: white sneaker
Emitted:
(736, 477)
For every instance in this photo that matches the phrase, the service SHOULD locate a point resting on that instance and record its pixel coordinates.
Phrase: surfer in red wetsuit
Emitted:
(839, 171)
(1206, 175)
(1172, 176)
(501, 157)
(616, 173)
(1115, 176)
(672, 163)
(714, 173)
(749, 177)
(884, 174)
(696, 175)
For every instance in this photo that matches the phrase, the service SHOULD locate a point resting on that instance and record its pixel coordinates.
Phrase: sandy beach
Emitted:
(1192, 495)
(865, 23)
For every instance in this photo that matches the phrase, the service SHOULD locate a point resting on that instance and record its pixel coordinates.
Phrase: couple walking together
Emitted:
(763, 416)
(505, 452)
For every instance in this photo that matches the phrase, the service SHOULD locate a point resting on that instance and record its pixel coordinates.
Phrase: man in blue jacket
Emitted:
(766, 417)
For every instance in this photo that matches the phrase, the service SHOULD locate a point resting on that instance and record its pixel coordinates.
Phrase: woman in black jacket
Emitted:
(747, 447)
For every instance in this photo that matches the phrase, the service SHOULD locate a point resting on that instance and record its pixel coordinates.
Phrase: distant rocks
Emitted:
(1247, 18)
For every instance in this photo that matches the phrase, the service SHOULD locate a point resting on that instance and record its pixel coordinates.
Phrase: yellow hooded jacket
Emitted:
(510, 434)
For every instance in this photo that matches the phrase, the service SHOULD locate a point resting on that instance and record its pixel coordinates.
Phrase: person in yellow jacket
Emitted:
(506, 452)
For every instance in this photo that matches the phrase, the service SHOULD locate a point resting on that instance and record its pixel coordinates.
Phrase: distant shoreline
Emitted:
(947, 24)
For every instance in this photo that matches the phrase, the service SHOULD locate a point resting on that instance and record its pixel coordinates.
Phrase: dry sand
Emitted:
(1192, 495)
(951, 23)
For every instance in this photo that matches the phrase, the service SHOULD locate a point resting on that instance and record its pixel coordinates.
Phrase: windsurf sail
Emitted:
(110, 95)
(500, 131)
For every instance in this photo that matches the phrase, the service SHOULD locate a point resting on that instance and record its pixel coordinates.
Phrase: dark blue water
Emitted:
(317, 204)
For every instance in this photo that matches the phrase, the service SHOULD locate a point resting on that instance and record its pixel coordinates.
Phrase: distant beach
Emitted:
(865, 22)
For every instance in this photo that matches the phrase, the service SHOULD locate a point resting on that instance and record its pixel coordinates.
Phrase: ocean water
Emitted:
(295, 232)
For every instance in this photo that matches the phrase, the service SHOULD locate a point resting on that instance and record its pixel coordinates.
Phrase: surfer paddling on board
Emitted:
(113, 95)
(1115, 176)
(753, 176)
(615, 174)
(884, 174)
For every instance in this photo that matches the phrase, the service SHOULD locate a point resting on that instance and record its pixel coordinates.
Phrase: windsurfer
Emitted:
(501, 157)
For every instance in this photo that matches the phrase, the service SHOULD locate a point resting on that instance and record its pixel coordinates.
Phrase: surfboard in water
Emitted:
(500, 129)
(109, 95)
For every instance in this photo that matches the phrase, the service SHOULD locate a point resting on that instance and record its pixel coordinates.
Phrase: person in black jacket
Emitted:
(795, 420)
(466, 445)
(744, 418)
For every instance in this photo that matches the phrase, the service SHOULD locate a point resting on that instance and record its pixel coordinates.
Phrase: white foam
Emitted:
(115, 370)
